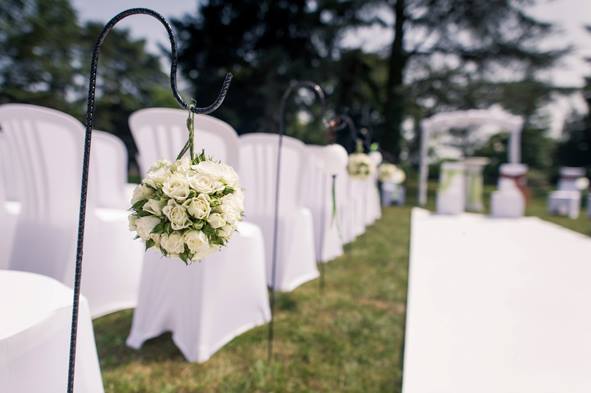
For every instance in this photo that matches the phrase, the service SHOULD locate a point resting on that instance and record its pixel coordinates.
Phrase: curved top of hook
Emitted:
(293, 87)
(342, 121)
(173, 54)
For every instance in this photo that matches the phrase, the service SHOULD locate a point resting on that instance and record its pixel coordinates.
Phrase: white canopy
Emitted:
(443, 122)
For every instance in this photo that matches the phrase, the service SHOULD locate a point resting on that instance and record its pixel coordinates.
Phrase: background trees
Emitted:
(436, 55)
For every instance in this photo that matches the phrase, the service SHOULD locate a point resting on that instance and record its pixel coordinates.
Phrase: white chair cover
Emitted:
(204, 305)
(566, 201)
(356, 208)
(108, 177)
(48, 147)
(296, 261)
(508, 201)
(318, 198)
(35, 335)
(7, 219)
(451, 192)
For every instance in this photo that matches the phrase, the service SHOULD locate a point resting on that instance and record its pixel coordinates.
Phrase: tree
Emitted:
(470, 40)
(37, 53)
(575, 146)
(264, 44)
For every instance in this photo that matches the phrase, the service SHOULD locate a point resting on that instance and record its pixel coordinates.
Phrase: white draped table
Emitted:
(35, 318)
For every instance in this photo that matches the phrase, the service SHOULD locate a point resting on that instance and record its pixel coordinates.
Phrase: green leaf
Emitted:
(139, 205)
(149, 244)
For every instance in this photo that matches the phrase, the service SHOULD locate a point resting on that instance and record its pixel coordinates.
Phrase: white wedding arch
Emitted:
(443, 122)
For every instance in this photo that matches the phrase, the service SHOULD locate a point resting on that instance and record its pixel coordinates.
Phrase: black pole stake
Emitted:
(293, 88)
(86, 158)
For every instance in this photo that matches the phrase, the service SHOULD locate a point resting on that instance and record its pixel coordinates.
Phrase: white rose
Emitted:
(176, 214)
(198, 207)
(177, 187)
(158, 173)
(173, 244)
(140, 193)
(220, 172)
(183, 165)
(145, 226)
(233, 206)
(196, 241)
(131, 220)
(226, 231)
(153, 207)
(202, 183)
(204, 252)
(216, 220)
(229, 176)
(155, 237)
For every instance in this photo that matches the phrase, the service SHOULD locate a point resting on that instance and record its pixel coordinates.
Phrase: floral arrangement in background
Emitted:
(390, 173)
(187, 209)
(360, 166)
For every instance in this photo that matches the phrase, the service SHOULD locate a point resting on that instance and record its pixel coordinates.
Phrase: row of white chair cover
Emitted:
(45, 148)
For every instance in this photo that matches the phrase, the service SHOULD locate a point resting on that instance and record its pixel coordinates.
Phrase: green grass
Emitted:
(347, 338)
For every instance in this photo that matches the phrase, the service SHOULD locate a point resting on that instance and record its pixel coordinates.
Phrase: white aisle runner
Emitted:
(497, 306)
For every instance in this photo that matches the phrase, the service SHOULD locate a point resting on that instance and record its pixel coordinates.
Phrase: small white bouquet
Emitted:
(360, 166)
(187, 209)
(390, 173)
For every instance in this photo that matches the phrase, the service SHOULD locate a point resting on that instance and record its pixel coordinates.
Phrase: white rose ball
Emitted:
(375, 157)
(173, 244)
(216, 220)
(177, 187)
(177, 215)
(140, 193)
(145, 226)
(198, 207)
(153, 207)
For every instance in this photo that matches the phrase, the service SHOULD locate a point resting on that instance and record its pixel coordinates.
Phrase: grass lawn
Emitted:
(347, 338)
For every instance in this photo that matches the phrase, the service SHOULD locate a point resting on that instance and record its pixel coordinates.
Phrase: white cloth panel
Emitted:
(207, 304)
(318, 198)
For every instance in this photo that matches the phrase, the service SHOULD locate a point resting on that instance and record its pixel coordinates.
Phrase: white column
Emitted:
(515, 147)
(424, 167)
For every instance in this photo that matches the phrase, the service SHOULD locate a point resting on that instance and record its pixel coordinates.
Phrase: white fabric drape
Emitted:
(35, 337)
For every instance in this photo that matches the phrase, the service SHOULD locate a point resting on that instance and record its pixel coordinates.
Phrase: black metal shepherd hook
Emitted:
(321, 96)
(343, 121)
(87, 142)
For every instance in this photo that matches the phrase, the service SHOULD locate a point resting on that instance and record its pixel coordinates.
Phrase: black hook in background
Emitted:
(294, 87)
(87, 143)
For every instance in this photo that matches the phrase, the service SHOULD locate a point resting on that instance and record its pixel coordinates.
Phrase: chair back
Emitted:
(161, 133)
(47, 148)
(108, 166)
(258, 168)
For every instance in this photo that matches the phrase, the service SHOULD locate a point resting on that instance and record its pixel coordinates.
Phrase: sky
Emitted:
(568, 15)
